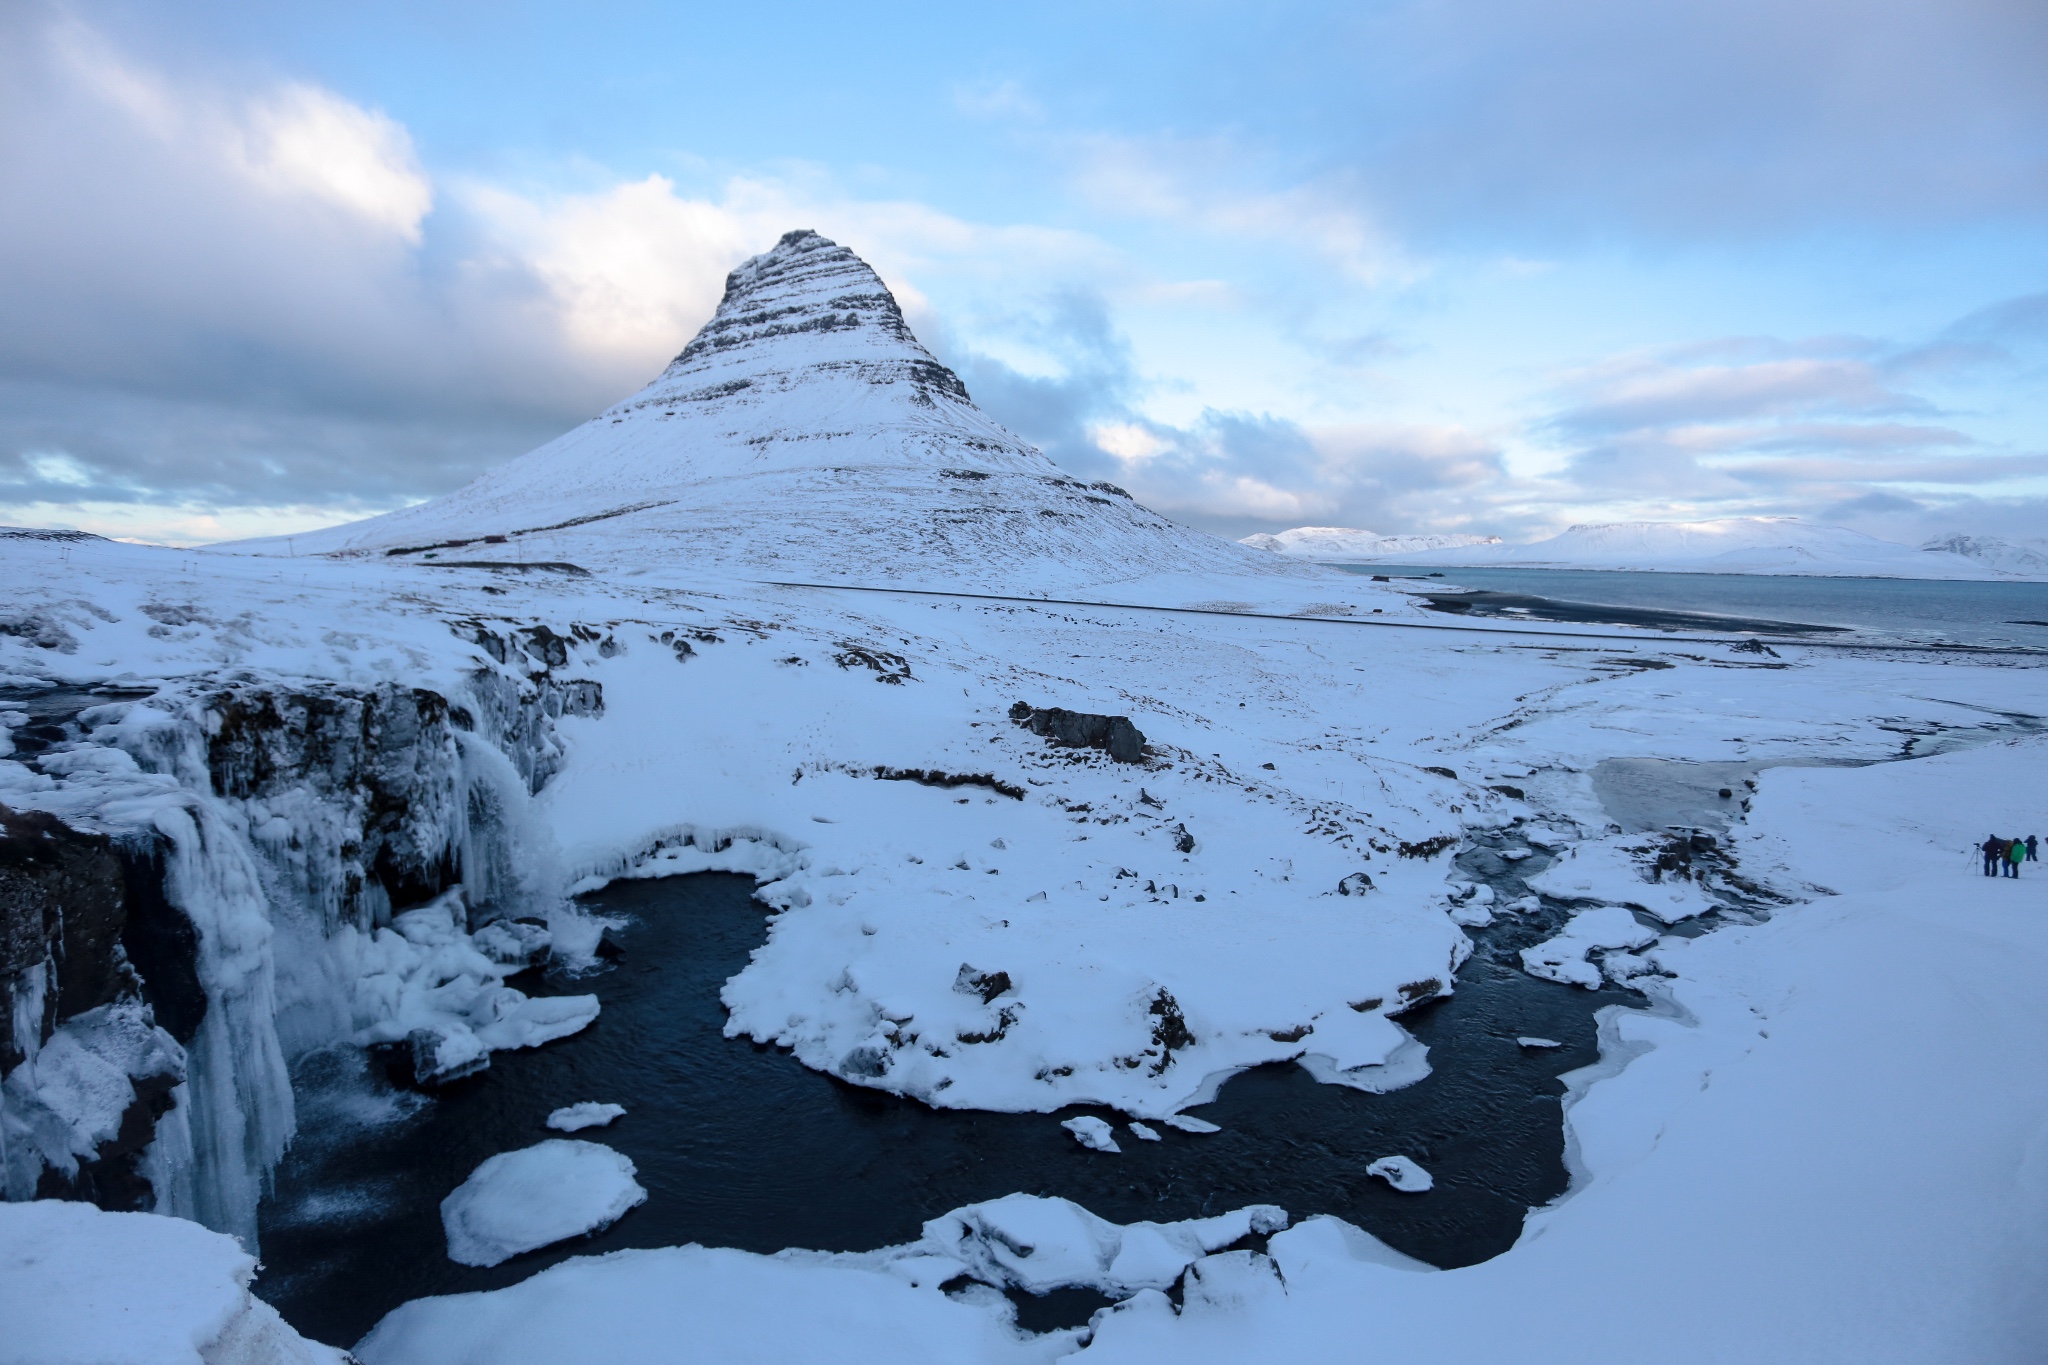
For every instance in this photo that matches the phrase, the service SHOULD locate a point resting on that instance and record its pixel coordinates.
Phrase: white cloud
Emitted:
(300, 139)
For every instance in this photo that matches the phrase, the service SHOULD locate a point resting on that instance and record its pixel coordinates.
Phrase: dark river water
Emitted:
(1922, 611)
(741, 1146)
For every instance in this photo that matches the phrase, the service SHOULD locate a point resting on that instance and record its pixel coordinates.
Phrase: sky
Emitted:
(1485, 266)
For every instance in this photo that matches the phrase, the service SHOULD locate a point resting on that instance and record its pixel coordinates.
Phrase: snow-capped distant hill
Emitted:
(1756, 545)
(804, 433)
(1344, 543)
(2025, 559)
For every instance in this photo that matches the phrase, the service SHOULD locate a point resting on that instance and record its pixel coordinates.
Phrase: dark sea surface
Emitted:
(1922, 611)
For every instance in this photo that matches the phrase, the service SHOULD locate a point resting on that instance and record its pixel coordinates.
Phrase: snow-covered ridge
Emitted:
(805, 433)
(1339, 544)
(1750, 545)
(2025, 559)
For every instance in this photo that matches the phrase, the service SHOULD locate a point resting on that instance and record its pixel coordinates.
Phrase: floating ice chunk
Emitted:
(1143, 1133)
(1472, 915)
(1188, 1123)
(539, 1195)
(1403, 1174)
(446, 1052)
(589, 1114)
(1563, 958)
(1539, 1042)
(1092, 1133)
(529, 1022)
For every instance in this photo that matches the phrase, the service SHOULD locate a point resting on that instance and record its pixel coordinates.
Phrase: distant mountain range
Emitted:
(1342, 544)
(1750, 545)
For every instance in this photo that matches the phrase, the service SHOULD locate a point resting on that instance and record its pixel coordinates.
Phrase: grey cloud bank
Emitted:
(250, 303)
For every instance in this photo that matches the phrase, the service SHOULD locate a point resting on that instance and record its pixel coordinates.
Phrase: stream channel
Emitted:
(740, 1145)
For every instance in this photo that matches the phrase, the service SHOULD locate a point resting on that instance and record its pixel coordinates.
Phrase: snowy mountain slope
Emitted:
(1338, 544)
(1760, 545)
(804, 433)
(2024, 559)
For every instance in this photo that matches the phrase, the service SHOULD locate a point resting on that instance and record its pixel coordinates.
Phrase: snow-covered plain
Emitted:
(970, 915)
(1748, 545)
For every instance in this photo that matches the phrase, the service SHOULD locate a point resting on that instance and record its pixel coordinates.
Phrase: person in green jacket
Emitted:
(2015, 854)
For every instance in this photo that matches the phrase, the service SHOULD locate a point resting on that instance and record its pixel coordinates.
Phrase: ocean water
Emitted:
(1921, 611)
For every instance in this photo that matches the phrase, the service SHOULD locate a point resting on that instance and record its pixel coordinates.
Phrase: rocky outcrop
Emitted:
(85, 1070)
(1114, 735)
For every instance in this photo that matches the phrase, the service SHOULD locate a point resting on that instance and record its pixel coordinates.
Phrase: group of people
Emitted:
(2006, 855)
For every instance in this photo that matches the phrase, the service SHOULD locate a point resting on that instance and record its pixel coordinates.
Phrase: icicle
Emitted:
(241, 1115)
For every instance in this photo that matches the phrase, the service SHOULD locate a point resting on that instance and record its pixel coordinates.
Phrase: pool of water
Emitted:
(741, 1146)
(1909, 609)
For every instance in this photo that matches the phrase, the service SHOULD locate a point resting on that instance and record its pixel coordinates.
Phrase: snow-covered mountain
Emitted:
(1754, 545)
(1340, 544)
(804, 433)
(2026, 558)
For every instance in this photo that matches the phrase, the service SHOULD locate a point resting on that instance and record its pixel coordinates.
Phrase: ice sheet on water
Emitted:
(536, 1196)
(1563, 958)
(589, 1114)
(1614, 870)
(1403, 1174)
(1093, 1133)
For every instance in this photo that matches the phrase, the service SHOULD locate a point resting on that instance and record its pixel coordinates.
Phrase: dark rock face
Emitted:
(1114, 735)
(385, 762)
(62, 902)
(84, 924)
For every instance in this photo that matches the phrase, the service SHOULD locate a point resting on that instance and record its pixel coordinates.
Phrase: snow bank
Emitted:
(700, 1303)
(536, 1196)
(1038, 1244)
(82, 1287)
(635, 1306)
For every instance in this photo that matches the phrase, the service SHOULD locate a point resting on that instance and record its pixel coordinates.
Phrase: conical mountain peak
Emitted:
(807, 303)
(804, 431)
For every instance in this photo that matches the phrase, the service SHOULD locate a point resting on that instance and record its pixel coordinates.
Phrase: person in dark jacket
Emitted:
(1993, 850)
(2033, 853)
